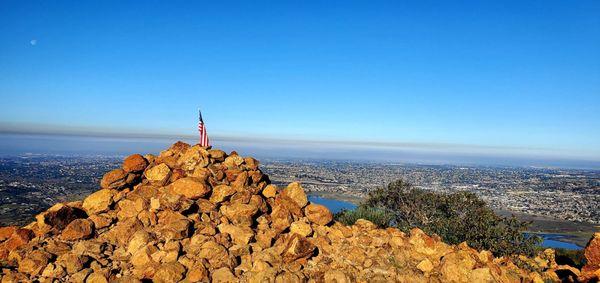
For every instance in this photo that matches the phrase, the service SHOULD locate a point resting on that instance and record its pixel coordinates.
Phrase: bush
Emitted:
(455, 217)
(379, 217)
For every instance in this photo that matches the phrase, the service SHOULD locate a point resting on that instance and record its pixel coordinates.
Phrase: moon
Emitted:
(33, 42)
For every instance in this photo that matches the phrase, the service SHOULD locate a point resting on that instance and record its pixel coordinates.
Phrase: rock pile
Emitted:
(591, 271)
(196, 214)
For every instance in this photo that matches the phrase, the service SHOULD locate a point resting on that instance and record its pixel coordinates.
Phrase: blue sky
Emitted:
(502, 74)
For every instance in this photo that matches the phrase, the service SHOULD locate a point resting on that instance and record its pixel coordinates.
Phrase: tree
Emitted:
(455, 217)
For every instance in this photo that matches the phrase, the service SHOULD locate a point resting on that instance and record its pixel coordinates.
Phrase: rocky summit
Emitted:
(197, 214)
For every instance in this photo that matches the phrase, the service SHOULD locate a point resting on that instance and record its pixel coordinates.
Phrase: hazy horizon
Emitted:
(18, 144)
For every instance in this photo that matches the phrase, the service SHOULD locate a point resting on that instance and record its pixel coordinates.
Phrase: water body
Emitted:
(333, 205)
(557, 241)
(549, 240)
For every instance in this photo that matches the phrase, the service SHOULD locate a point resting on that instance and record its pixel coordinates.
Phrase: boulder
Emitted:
(115, 179)
(58, 217)
(6, 232)
(70, 262)
(138, 240)
(142, 257)
(591, 271)
(296, 192)
(101, 221)
(240, 234)
(223, 275)
(190, 187)
(194, 157)
(121, 232)
(457, 267)
(197, 273)
(220, 193)
(269, 191)
(425, 265)
(53, 271)
(100, 201)
(172, 225)
(592, 251)
(78, 229)
(134, 163)
(34, 262)
(96, 277)
(217, 155)
(169, 272)
(296, 247)
(239, 213)
(251, 163)
(233, 161)
(158, 173)
(301, 228)
(281, 218)
(179, 147)
(318, 214)
(20, 237)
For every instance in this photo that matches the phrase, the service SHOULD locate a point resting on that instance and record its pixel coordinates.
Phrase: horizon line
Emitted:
(489, 150)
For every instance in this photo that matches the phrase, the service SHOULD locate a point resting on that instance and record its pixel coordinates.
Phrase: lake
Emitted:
(556, 241)
(333, 204)
(549, 240)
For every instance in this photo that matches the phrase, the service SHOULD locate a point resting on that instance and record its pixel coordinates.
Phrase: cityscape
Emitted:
(567, 194)
(32, 183)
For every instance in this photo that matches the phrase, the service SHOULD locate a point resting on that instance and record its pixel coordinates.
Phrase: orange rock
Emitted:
(190, 187)
(592, 250)
(19, 237)
(6, 232)
(241, 181)
(115, 179)
(217, 154)
(296, 247)
(78, 229)
(158, 173)
(59, 216)
(177, 174)
(179, 147)
(318, 214)
(269, 191)
(295, 192)
(135, 163)
(251, 163)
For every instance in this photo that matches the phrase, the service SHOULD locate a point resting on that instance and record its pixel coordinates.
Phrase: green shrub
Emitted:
(379, 217)
(455, 217)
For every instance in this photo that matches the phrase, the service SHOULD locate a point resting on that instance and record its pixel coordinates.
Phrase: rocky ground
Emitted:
(195, 214)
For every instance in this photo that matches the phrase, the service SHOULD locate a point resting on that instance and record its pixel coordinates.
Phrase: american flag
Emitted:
(202, 130)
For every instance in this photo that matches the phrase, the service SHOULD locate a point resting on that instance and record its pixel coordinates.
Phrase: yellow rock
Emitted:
(296, 193)
(269, 191)
(158, 173)
(301, 228)
(425, 265)
(223, 275)
(99, 201)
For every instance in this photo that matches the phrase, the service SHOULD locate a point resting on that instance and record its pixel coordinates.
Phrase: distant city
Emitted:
(567, 194)
(31, 183)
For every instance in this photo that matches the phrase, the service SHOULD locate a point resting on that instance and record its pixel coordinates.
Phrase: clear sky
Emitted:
(500, 74)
